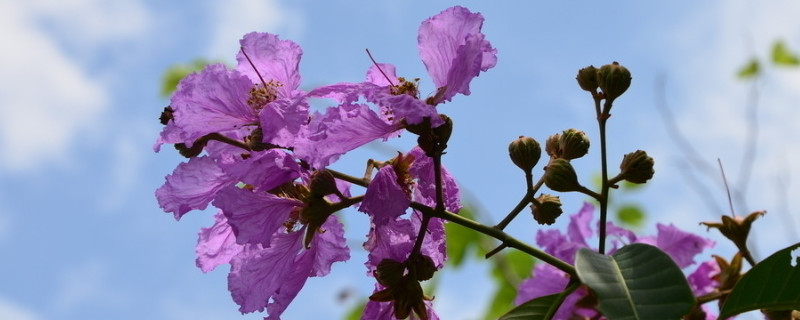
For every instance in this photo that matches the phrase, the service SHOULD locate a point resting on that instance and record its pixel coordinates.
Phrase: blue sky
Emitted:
(83, 238)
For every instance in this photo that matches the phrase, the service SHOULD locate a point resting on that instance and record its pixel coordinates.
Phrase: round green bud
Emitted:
(587, 79)
(525, 153)
(552, 147)
(546, 209)
(573, 144)
(637, 167)
(613, 79)
(560, 176)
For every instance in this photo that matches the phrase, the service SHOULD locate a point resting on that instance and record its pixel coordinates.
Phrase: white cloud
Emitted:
(85, 284)
(48, 97)
(235, 18)
(9, 310)
(126, 166)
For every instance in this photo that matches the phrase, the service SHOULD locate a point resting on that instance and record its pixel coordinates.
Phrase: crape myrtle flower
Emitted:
(454, 52)
(256, 103)
(681, 246)
(391, 237)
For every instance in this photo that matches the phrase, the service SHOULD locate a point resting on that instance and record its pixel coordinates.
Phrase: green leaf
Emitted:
(772, 284)
(174, 74)
(630, 186)
(750, 70)
(503, 300)
(460, 240)
(638, 281)
(631, 214)
(533, 310)
(520, 262)
(782, 56)
(356, 311)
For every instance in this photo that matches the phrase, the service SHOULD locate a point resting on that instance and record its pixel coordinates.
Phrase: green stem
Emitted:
(505, 238)
(526, 199)
(601, 120)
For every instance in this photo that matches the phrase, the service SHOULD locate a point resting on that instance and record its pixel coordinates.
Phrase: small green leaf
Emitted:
(503, 300)
(460, 240)
(356, 311)
(520, 262)
(750, 70)
(772, 284)
(638, 281)
(630, 186)
(782, 56)
(533, 310)
(174, 74)
(631, 214)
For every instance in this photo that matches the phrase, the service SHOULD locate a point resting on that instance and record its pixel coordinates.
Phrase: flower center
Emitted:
(263, 94)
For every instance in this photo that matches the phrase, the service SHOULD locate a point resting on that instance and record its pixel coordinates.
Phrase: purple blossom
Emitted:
(264, 170)
(681, 246)
(270, 277)
(702, 280)
(385, 198)
(216, 245)
(192, 186)
(255, 216)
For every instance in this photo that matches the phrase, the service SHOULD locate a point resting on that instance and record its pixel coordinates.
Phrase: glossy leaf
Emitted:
(772, 284)
(749, 70)
(533, 310)
(638, 281)
(782, 56)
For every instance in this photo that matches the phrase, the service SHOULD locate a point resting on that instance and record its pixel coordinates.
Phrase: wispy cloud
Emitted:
(10, 310)
(49, 97)
(85, 284)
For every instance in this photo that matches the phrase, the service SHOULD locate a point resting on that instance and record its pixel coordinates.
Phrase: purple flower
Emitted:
(679, 245)
(192, 186)
(270, 277)
(255, 216)
(216, 245)
(702, 280)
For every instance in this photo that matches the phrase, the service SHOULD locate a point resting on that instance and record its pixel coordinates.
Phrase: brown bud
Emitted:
(587, 78)
(546, 208)
(389, 272)
(614, 80)
(560, 176)
(551, 146)
(573, 144)
(166, 115)
(421, 267)
(525, 153)
(443, 131)
(323, 183)
(637, 167)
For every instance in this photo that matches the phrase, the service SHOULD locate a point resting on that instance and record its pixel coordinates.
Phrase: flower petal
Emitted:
(191, 186)
(254, 216)
(264, 170)
(385, 199)
(213, 100)
(454, 50)
(274, 59)
(216, 245)
(680, 245)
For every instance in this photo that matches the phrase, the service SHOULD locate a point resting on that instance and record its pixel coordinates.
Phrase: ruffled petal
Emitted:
(192, 186)
(384, 74)
(425, 193)
(339, 130)
(213, 100)
(281, 120)
(274, 59)
(680, 245)
(385, 199)
(392, 240)
(254, 216)
(258, 273)
(454, 50)
(216, 245)
(264, 170)
(579, 228)
(702, 279)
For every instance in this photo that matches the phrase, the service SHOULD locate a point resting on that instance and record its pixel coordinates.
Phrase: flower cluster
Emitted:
(259, 156)
(681, 246)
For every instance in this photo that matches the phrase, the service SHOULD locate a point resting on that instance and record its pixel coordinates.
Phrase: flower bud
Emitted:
(443, 131)
(573, 144)
(525, 153)
(389, 272)
(421, 267)
(587, 78)
(323, 183)
(613, 79)
(560, 176)
(546, 209)
(551, 146)
(637, 167)
(167, 115)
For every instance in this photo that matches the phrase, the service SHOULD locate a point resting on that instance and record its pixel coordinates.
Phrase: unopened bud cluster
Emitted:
(612, 79)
